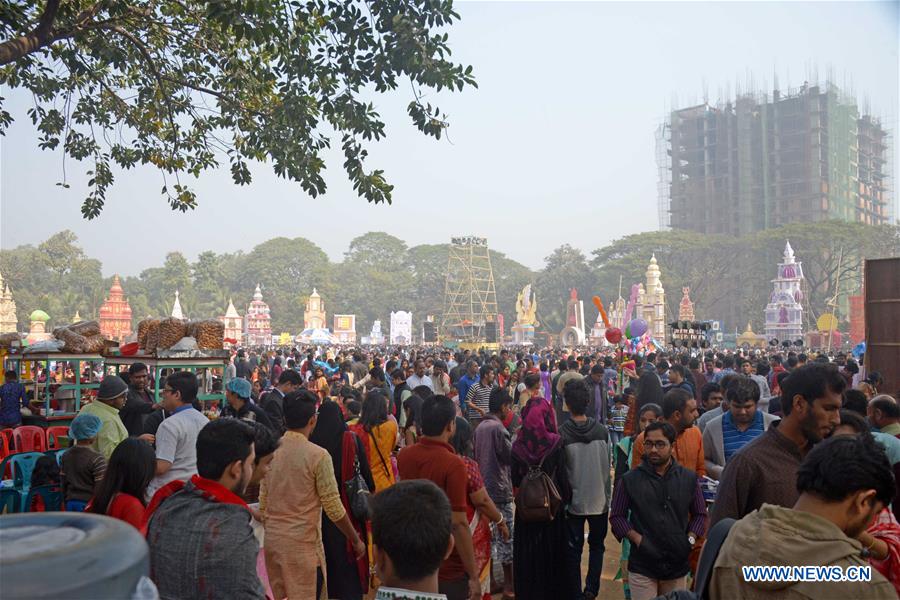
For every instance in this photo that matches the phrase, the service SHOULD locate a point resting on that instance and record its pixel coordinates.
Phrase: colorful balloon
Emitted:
(636, 328)
(613, 335)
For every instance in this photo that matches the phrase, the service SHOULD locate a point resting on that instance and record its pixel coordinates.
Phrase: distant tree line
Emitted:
(730, 278)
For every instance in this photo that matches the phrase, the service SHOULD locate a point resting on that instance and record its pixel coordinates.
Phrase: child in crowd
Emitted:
(45, 474)
(82, 466)
(121, 493)
(618, 418)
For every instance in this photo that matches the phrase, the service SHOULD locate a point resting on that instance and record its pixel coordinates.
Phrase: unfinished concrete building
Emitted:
(759, 162)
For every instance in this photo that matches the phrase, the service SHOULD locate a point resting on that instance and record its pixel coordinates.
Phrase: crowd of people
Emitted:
(426, 473)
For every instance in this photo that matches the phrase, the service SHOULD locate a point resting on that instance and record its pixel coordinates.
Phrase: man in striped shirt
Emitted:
(735, 428)
(479, 395)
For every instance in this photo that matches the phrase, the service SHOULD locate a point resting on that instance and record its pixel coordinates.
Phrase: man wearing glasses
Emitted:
(176, 438)
(659, 507)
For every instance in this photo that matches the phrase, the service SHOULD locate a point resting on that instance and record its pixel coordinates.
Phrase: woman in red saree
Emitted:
(480, 509)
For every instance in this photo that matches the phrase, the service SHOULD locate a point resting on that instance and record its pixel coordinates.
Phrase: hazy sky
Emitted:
(555, 146)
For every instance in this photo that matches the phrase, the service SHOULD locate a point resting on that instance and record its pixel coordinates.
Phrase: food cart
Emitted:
(57, 403)
(204, 367)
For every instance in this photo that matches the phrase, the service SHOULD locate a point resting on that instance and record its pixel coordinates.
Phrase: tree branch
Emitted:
(39, 37)
(151, 63)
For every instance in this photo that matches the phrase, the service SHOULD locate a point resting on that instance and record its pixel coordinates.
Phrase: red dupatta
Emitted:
(348, 457)
(886, 529)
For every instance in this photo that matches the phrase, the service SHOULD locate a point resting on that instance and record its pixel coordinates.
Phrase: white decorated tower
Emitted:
(233, 323)
(784, 313)
(177, 313)
(651, 303)
(8, 320)
(314, 316)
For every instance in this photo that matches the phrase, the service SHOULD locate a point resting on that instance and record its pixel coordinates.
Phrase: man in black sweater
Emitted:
(667, 515)
(139, 401)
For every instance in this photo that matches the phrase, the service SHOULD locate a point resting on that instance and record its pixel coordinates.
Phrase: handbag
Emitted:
(357, 493)
(538, 500)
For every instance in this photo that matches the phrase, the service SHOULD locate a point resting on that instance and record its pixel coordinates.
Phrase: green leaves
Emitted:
(179, 85)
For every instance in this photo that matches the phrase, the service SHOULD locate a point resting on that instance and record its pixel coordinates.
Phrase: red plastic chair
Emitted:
(7, 435)
(5, 450)
(53, 435)
(5, 446)
(30, 438)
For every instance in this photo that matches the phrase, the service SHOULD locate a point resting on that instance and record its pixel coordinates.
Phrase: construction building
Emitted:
(760, 162)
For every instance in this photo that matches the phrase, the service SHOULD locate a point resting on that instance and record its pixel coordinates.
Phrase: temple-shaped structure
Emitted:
(314, 316)
(9, 322)
(37, 331)
(784, 313)
(686, 307)
(233, 324)
(177, 313)
(651, 303)
(258, 322)
(115, 313)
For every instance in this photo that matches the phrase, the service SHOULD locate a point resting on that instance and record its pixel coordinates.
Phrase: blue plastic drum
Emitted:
(72, 555)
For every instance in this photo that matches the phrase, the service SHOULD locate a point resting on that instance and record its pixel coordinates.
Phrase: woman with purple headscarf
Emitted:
(539, 548)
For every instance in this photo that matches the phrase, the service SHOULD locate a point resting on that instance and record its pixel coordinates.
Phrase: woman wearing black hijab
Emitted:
(649, 391)
(347, 577)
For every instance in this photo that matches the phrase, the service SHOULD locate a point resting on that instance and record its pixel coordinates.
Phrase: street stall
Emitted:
(209, 370)
(57, 384)
(60, 371)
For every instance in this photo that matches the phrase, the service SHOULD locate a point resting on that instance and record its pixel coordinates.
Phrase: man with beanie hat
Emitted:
(239, 406)
(81, 467)
(110, 400)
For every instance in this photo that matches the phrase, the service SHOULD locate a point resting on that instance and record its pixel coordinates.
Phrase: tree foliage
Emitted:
(184, 85)
(564, 269)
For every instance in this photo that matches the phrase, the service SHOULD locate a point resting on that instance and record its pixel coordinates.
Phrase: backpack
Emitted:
(537, 500)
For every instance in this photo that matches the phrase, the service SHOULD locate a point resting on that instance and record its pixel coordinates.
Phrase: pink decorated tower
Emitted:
(686, 307)
(115, 313)
(257, 322)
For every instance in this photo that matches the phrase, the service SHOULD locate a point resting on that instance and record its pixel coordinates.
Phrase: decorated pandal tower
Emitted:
(315, 321)
(651, 303)
(784, 314)
(750, 339)
(573, 334)
(177, 313)
(37, 331)
(686, 307)
(257, 321)
(233, 324)
(115, 313)
(8, 321)
(314, 316)
(526, 317)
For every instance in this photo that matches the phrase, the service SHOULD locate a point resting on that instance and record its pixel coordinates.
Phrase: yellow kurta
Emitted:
(300, 484)
(383, 439)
